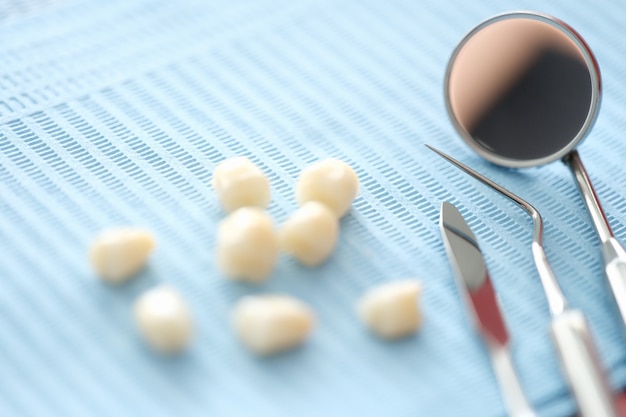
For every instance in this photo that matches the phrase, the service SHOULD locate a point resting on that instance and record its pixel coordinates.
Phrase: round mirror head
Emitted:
(522, 89)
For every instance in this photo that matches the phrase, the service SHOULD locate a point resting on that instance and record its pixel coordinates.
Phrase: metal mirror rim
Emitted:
(596, 90)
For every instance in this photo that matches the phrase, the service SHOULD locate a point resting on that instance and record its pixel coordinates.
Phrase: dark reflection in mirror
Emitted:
(520, 88)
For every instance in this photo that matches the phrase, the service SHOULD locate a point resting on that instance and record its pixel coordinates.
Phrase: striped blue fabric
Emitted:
(116, 112)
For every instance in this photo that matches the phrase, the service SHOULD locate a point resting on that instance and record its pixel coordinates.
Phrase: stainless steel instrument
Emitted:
(523, 89)
(475, 284)
(569, 328)
(613, 253)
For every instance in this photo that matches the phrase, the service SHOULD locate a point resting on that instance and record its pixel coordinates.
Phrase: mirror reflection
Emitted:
(520, 88)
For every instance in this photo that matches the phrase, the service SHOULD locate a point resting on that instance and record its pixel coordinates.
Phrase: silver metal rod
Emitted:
(556, 299)
(612, 251)
(600, 223)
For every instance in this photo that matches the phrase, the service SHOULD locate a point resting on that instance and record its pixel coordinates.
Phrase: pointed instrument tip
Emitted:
(432, 148)
(467, 169)
(480, 177)
(438, 152)
(452, 160)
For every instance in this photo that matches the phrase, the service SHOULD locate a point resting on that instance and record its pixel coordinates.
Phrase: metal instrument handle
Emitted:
(514, 399)
(581, 364)
(612, 251)
(615, 268)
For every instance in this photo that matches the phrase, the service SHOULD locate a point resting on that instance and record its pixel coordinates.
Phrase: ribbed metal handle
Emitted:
(582, 365)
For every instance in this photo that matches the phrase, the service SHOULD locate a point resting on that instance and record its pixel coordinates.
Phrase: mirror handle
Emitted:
(589, 196)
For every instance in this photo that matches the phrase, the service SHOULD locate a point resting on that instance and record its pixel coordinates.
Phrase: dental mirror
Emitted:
(523, 89)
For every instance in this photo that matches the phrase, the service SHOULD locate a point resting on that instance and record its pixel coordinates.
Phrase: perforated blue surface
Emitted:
(116, 112)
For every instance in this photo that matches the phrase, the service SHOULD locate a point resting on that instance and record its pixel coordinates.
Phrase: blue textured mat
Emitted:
(117, 112)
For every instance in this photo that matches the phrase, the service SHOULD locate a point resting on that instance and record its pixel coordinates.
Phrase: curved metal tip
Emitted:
(480, 177)
(556, 299)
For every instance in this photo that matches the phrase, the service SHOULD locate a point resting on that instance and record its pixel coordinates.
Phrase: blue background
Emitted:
(116, 112)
